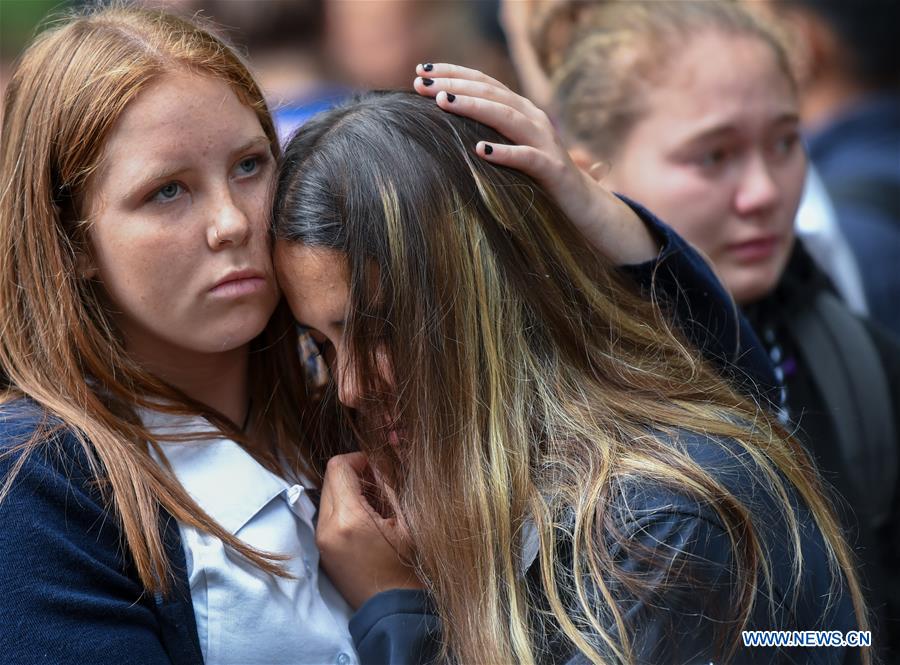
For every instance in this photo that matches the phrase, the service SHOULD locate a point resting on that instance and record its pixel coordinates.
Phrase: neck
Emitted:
(218, 380)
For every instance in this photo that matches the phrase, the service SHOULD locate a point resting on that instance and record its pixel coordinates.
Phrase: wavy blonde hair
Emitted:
(533, 384)
(59, 346)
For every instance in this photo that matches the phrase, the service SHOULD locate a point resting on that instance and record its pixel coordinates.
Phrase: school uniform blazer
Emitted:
(70, 593)
(681, 549)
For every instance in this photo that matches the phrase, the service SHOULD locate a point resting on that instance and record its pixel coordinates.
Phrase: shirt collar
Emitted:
(224, 479)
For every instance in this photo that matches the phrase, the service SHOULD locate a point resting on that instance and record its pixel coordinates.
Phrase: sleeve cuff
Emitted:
(665, 237)
(394, 603)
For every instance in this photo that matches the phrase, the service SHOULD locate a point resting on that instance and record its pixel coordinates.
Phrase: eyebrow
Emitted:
(166, 173)
(719, 130)
(255, 142)
(157, 177)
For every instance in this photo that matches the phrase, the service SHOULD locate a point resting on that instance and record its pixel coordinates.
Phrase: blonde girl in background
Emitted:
(694, 110)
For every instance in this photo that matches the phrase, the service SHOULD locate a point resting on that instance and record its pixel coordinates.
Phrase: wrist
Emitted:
(359, 595)
(617, 231)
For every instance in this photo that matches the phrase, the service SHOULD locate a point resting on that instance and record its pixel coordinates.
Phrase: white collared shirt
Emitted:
(244, 615)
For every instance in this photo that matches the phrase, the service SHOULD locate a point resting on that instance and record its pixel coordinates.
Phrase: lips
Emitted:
(755, 249)
(239, 282)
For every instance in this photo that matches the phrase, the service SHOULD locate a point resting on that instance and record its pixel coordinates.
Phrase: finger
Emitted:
(396, 524)
(342, 480)
(356, 461)
(479, 90)
(446, 70)
(510, 122)
(527, 159)
(396, 533)
(336, 470)
(350, 492)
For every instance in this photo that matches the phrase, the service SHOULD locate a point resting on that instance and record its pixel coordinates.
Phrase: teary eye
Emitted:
(785, 144)
(712, 158)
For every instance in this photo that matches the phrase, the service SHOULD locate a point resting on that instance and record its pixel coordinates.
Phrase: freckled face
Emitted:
(178, 216)
(717, 156)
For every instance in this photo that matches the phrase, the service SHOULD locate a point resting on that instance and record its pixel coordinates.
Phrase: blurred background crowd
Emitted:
(308, 53)
(845, 62)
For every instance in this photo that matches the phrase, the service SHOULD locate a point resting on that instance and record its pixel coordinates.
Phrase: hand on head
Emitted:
(537, 150)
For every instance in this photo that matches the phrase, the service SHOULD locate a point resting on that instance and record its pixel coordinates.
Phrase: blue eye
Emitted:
(712, 159)
(249, 165)
(785, 144)
(168, 192)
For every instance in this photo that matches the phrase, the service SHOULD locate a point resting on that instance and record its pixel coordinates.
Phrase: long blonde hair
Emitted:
(59, 347)
(531, 381)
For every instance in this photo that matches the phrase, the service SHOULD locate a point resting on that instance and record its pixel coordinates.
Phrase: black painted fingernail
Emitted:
(451, 97)
(427, 82)
(427, 66)
(488, 148)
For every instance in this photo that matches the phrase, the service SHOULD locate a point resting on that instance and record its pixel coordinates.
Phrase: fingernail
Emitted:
(427, 82)
(451, 97)
(488, 148)
(427, 66)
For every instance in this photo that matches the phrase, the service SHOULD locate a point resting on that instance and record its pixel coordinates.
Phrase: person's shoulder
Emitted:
(722, 459)
(676, 510)
(69, 588)
(700, 481)
(675, 520)
(52, 504)
(22, 420)
(39, 451)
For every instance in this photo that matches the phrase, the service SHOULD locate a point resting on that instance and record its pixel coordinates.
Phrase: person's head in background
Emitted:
(842, 51)
(372, 45)
(137, 161)
(357, 43)
(282, 39)
(693, 107)
(309, 54)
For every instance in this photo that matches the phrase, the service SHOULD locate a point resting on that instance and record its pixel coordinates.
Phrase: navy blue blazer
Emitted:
(70, 593)
(678, 621)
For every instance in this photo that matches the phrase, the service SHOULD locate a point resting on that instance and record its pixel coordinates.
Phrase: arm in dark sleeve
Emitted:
(396, 627)
(66, 593)
(703, 310)
(684, 611)
(681, 604)
(690, 583)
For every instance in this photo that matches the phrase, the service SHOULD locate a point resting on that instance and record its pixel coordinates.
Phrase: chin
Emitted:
(236, 332)
(753, 288)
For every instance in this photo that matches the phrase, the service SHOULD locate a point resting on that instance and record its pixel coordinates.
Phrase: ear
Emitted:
(598, 169)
